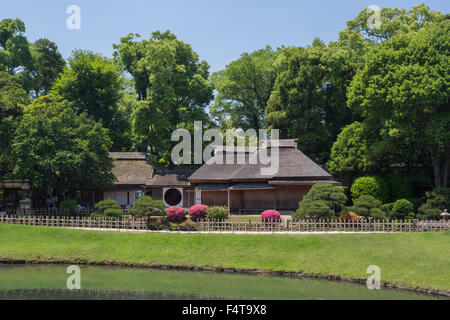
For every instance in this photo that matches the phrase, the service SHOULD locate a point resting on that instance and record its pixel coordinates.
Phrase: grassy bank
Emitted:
(411, 259)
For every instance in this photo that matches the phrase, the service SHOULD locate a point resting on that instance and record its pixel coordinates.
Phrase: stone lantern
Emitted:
(445, 215)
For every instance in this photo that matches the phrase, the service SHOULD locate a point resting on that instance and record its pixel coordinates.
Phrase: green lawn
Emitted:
(412, 259)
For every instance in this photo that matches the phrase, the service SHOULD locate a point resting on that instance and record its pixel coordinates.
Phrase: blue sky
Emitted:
(219, 31)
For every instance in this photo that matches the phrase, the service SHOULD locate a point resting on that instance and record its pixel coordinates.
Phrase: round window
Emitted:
(172, 197)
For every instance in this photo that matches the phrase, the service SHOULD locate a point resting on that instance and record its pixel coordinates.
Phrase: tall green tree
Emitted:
(172, 87)
(15, 54)
(244, 88)
(47, 64)
(402, 94)
(13, 99)
(56, 148)
(94, 84)
(309, 97)
(392, 21)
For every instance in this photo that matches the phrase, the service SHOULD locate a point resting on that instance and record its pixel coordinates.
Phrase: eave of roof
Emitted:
(301, 182)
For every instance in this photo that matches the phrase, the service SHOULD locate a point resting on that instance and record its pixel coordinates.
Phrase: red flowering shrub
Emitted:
(198, 212)
(176, 214)
(348, 216)
(270, 215)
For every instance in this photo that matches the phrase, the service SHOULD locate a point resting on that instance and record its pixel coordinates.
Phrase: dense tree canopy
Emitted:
(13, 99)
(402, 94)
(57, 149)
(309, 101)
(392, 21)
(47, 63)
(349, 153)
(172, 86)
(244, 88)
(95, 85)
(15, 52)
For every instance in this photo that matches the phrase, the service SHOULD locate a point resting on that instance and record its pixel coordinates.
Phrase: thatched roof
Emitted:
(133, 168)
(293, 165)
(170, 178)
(132, 172)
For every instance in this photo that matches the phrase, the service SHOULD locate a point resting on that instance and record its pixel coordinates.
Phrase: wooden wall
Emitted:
(215, 198)
(259, 199)
(287, 198)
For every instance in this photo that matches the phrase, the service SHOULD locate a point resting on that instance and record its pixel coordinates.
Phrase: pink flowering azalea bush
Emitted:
(176, 214)
(270, 215)
(198, 212)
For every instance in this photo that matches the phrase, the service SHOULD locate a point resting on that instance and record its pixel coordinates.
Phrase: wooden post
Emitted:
(275, 198)
(229, 202)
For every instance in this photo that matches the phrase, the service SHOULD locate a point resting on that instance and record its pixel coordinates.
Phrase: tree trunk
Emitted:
(441, 170)
(446, 169)
(437, 174)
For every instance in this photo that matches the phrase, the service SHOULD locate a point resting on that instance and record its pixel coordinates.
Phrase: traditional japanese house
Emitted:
(244, 188)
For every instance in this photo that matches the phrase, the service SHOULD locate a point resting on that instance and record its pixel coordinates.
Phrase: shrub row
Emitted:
(326, 200)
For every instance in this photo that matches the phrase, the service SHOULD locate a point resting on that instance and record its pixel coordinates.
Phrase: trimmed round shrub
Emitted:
(102, 206)
(176, 214)
(370, 186)
(270, 215)
(313, 209)
(348, 215)
(145, 206)
(333, 196)
(403, 209)
(113, 213)
(198, 212)
(367, 206)
(217, 213)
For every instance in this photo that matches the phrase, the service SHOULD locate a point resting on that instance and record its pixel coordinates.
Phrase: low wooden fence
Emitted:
(55, 212)
(76, 222)
(311, 225)
(308, 225)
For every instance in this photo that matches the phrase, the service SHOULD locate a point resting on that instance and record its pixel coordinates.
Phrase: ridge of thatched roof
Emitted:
(128, 155)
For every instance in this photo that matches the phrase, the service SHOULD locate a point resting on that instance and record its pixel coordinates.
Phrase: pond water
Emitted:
(97, 282)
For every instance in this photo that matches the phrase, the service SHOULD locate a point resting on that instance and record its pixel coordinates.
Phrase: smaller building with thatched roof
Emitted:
(136, 176)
